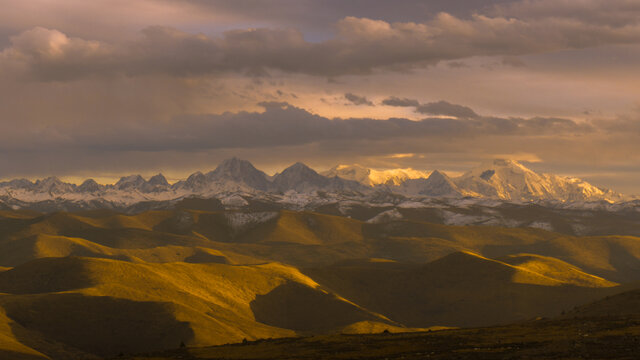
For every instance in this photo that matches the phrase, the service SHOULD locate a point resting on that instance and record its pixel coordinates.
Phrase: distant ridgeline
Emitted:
(235, 181)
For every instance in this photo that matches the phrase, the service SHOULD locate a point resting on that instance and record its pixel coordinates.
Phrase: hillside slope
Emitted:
(461, 289)
(102, 306)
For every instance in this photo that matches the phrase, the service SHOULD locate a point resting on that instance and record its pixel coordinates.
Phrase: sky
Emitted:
(108, 88)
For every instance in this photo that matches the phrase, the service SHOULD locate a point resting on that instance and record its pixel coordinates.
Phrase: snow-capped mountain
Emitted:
(130, 182)
(510, 180)
(298, 184)
(157, 183)
(372, 177)
(90, 186)
(301, 178)
(195, 183)
(241, 172)
(437, 184)
(53, 185)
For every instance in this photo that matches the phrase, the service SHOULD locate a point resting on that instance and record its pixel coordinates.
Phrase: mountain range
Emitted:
(234, 254)
(498, 179)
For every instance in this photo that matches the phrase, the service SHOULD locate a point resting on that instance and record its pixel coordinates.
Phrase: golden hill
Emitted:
(296, 238)
(101, 306)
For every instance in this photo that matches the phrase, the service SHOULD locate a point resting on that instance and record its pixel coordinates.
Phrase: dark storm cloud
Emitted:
(360, 46)
(357, 99)
(438, 108)
(446, 109)
(400, 102)
(284, 125)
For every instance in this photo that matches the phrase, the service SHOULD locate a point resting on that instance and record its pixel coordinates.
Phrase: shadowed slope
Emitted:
(626, 304)
(10, 346)
(461, 289)
(100, 325)
(46, 275)
(302, 308)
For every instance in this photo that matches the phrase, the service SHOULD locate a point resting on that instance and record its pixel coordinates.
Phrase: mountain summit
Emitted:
(437, 184)
(510, 180)
(371, 177)
(299, 177)
(240, 171)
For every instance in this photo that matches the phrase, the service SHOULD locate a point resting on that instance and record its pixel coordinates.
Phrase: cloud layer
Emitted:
(360, 46)
(282, 124)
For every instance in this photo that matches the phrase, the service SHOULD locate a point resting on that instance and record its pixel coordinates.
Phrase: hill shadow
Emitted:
(46, 275)
(299, 307)
(100, 325)
(202, 257)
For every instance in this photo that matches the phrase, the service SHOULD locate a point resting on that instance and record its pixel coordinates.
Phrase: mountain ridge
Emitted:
(498, 179)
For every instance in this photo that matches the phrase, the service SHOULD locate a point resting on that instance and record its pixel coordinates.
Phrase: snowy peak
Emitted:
(157, 183)
(17, 184)
(510, 180)
(130, 182)
(372, 177)
(53, 185)
(350, 172)
(158, 180)
(441, 184)
(299, 177)
(241, 172)
(506, 179)
(195, 182)
(90, 186)
(438, 176)
(437, 184)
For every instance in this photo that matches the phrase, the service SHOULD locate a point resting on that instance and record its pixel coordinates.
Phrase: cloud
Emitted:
(513, 61)
(283, 133)
(402, 156)
(457, 64)
(446, 109)
(357, 100)
(519, 156)
(318, 15)
(614, 13)
(360, 46)
(400, 102)
(49, 54)
(280, 124)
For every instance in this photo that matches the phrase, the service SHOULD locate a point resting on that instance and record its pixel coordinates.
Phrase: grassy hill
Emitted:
(96, 283)
(462, 289)
(104, 306)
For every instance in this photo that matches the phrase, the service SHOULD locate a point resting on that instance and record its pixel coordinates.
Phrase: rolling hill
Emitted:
(103, 306)
(97, 283)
